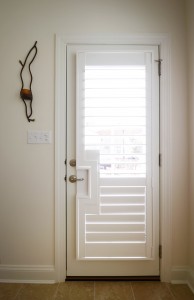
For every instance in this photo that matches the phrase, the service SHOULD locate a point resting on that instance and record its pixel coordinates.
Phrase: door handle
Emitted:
(73, 178)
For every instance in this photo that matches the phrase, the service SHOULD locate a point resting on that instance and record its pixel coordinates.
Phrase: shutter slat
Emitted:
(122, 209)
(123, 102)
(123, 190)
(130, 227)
(115, 237)
(114, 83)
(120, 199)
(115, 219)
(116, 112)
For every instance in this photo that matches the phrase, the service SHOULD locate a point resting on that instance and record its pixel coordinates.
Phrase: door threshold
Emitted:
(113, 278)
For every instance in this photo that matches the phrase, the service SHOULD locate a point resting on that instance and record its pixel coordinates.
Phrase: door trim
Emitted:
(165, 145)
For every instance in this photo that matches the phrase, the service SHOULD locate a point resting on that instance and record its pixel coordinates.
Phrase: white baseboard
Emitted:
(191, 280)
(27, 274)
(179, 274)
(47, 274)
(183, 274)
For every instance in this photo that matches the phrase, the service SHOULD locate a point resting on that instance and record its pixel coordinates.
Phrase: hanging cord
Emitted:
(26, 94)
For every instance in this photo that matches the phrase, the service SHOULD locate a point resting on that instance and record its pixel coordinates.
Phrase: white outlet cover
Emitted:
(39, 137)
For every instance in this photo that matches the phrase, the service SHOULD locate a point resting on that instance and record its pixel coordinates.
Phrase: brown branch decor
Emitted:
(26, 93)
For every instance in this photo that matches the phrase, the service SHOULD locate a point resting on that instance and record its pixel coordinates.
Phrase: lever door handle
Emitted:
(73, 178)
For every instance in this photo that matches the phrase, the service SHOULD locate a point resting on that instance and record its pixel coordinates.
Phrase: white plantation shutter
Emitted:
(114, 155)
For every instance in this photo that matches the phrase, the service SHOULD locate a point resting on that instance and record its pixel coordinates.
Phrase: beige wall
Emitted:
(27, 171)
(190, 23)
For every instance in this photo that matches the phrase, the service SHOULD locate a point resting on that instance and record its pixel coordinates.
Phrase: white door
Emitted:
(113, 134)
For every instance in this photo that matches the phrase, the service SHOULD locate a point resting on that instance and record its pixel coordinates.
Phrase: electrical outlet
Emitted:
(39, 137)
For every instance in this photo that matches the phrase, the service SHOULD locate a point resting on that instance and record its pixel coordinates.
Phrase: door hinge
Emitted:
(160, 159)
(160, 251)
(159, 61)
(65, 178)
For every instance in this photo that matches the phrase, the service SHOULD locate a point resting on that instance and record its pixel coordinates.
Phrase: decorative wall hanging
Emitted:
(26, 93)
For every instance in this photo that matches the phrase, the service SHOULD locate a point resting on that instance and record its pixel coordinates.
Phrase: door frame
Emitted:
(163, 41)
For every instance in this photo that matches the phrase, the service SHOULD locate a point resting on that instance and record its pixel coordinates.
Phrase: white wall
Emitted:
(27, 171)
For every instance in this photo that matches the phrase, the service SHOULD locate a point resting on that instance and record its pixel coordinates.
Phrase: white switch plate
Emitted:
(39, 137)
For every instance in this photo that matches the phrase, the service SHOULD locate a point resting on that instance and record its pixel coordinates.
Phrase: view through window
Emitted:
(115, 118)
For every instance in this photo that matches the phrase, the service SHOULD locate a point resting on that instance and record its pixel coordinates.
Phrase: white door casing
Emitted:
(60, 147)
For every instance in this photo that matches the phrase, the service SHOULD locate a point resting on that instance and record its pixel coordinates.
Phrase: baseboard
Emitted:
(27, 274)
(183, 274)
(191, 279)
(179, 274)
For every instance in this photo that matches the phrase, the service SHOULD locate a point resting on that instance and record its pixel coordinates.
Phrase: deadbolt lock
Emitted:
(72, 162)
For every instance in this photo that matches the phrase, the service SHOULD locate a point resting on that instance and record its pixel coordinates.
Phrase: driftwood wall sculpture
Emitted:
(26, 93)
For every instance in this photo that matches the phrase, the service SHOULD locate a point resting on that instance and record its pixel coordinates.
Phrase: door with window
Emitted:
(112, 160)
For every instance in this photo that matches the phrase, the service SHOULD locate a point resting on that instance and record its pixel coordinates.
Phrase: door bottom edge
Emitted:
(113, 278)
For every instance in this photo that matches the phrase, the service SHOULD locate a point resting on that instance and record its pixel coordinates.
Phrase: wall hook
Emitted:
(26, 93)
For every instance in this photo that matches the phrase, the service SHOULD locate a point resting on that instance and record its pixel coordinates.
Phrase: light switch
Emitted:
(39, 137)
